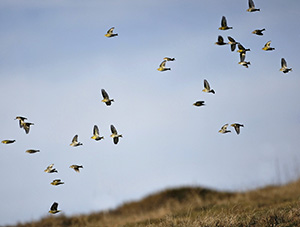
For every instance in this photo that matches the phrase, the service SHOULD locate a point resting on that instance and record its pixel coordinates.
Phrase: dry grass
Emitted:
(270, 206)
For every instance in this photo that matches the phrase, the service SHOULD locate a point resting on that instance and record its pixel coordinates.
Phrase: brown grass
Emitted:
(270, 206)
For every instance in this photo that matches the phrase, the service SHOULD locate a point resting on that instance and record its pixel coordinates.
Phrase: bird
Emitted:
(242, 49)
(199, 103)
(8, 141)
(232, 43)
(224, 24)
(224, 129)
(26, 126)
(114, 134)
(76, 168)
(50, 169)
(258, 32)
(207, 87)
(237, 127)
(110, 33)
(284, 67)
(220, 41)
(162, 66)
(32, 151)
(75, 142)
(242, 60)
(21, 120)
(169, 59)
(57, 182)
(106, 98)
(267, 46)
(252, 7)
(53, 208)
(96, 134)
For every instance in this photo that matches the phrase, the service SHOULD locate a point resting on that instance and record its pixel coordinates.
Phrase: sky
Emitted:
(55, 59)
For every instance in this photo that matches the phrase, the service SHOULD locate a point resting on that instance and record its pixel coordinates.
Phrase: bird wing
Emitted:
(26, 127)
(163, 64)
(96, 130)
(111, 30)
(251, 4)
(237, 128)
(242, 57)
(113, 129)
(224, 127)
(240, 46)
(283, 63)
(104, 94)
(231, 39)
(54, 206)
(220, 39)
(206, 85)
(75, 138)
(116, 140)
(268, 44)
(223, 22)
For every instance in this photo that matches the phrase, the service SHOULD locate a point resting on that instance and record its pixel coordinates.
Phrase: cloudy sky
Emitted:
(55, 59)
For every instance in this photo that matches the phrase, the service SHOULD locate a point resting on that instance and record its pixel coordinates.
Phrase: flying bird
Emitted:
(53, 209)
(110, 33)
(114, 134)
(224, 24)
(237, 127)
(162, 66)
(57, 182)
(96, 134)
(220, 41)
(32, 151)
(106, 98)
(50, 169)
(258, 32)
(252, 7)
(284, 67)
(21, 120)
(232, 43)
(8, 141)
(76, 168)
(242, 60)
(224, 129)
(199, 103)
(242, 49)
(169, 59)
(75, 142)
(267, 46)
(207, 87)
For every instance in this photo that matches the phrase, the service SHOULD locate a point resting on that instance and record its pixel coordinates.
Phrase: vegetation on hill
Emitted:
(192, 206)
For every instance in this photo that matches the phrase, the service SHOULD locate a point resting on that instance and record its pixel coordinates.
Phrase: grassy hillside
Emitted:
(270, 206)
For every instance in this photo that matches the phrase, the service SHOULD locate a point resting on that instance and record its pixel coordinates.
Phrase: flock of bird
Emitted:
(162, 67)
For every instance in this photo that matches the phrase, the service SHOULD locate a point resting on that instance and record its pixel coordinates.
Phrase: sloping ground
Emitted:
(270, 206)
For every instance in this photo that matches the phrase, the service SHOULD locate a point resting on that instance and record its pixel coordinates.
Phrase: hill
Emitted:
(193, 206)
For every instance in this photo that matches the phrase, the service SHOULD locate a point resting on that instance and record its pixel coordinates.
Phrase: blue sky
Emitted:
(54, 60)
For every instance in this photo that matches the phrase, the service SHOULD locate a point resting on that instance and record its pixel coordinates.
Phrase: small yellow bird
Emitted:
(267, 46)
(242, 60)
(32, 151)
(237, 127)
(252, 6)
(53, 208)
(21, 120)
(57, 182)
(96, 135)
(224, 129)
(75, 142)
(220, 41)
(224, 24)
(284, 67)
(258, 32)
(110, 33)
(199, 103)
(115, 134)
(162, 66)
(106, 98)
(50, 169)
(207, 87)
(76, 168)
(8, 141)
